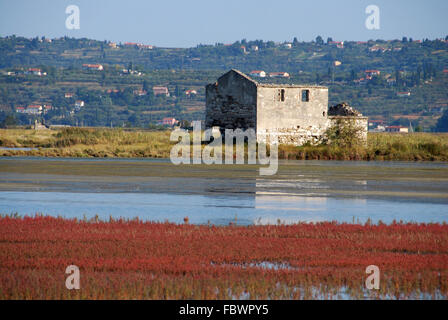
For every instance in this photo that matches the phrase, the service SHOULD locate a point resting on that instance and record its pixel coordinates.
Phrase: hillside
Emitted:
(408, 84)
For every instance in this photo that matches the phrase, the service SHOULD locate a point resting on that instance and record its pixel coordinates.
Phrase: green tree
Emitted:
(9, 121)
(442, 123)
(146, 86)
(295, 42)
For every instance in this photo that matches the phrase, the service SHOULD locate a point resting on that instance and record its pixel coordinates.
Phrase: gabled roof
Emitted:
(241, 74)
(271, 85)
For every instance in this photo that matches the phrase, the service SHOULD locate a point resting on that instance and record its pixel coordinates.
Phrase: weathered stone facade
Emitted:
(296, 114)
(231, 102)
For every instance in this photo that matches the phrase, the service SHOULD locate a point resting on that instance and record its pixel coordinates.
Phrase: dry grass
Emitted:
(76, 142)
(380, 146)
(100, 142)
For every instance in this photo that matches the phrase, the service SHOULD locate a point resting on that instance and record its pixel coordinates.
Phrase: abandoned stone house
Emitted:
(296, 114)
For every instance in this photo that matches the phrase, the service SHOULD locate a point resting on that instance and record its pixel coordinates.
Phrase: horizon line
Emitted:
(214, 44)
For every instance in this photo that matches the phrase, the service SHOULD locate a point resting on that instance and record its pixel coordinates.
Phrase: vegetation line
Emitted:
(118, 143)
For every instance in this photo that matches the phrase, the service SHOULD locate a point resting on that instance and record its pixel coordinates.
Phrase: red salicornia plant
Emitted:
(123, 259)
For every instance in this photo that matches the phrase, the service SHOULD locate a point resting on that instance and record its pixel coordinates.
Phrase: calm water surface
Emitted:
(159, 191)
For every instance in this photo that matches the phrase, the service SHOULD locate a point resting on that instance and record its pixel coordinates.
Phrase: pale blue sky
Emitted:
(183, 23)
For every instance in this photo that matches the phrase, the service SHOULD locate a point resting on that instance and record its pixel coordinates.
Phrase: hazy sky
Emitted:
(185, 23)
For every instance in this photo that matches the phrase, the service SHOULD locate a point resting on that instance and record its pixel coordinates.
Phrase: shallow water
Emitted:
(156, 190)
(17, 149)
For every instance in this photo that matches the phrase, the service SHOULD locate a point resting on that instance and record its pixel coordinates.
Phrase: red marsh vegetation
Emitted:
(142, 260)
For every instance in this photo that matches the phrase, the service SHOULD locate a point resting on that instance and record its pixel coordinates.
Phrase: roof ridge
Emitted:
(244, 75)
(276, 85)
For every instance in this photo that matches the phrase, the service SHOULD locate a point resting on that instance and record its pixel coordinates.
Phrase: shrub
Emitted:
(345, 133)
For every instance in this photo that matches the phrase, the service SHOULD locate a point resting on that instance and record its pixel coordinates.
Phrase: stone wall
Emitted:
(312, 134)
(292, 120)
(297, 137)
(292, 113)
(231, 102)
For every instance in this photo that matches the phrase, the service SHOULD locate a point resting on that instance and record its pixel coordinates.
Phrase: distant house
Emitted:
(337, 63)
(68, 95)
(372, 73)
(169, 122)
(445, 71)
(379, 128)
(377, 48)
(161, 91)
(145, 46)
(398, 129)
(373, 123)
(288, 45)
(191, 92)
(140, 92)
(391, 82)
(361, 81)
(47, 108)
(36, 71)
(79, 104)
(130, 44)
(279, 74)
(254, 48)
(88, 66)
(338, 44)
(34, 109)
(112, 45)
(129, 71)
(258, 73)
(20, 110)
(403, 94)
(138, 45)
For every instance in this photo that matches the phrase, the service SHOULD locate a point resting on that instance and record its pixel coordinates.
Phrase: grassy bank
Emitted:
(122, 259)
(75, 142)
(380, 146)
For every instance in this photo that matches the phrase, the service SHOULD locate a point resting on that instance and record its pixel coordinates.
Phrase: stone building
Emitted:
(296, 114)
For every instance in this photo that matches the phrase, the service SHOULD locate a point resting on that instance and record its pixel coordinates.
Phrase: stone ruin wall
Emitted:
(235, 101)
(313, 135)
(231, 103)
(293, 136)
(293, 121)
